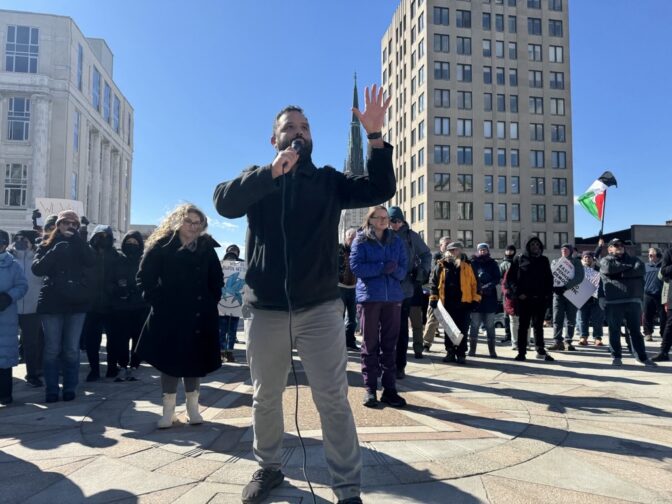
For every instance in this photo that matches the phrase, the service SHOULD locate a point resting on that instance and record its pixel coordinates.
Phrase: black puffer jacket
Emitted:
(102, 277)
(63, 264)
(530, 275)
(622, 278)
(127, 295)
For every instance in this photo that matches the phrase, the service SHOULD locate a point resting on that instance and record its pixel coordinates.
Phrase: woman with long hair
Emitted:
(62, 259)
(379, 262)
(181, 278)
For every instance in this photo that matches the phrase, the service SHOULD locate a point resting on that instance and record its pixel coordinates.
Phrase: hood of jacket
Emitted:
(101, 228)
(6, 259)
(136, 235)
(527, 245)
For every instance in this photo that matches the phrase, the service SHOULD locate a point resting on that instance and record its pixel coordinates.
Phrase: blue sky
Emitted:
(206, 78)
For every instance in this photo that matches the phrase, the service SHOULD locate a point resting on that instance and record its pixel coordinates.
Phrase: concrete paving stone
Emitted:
(505, 491)
(238, 473)
(150, 459)
(160, 497)
(569, 471)
(193, 468)
(463, 491)
(105, 480)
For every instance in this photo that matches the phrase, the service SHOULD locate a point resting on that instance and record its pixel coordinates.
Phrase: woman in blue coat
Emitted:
(13, 286)
(379, 262)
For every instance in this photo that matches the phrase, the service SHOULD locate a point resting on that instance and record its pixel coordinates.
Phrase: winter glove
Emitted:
(5, 301)
(434, 303)
(390, 267)
(603, 303)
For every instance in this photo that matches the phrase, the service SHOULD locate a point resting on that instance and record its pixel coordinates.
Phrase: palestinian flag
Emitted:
(593, 199)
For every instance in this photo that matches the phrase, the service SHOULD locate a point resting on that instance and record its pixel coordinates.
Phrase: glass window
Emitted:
(538, 213)
(533, 26)
(515, 214)
(487, 128)
(421, 157)
(534, 52)
(513, 24)
(463, 72)
(501, 103)
(464, 127)
(18, 119)
(95, 89)
(463, 19)
(501, 129)
(421, 75)
(115, 113)
(442, 126)
(487, 183)
(555, 54)
(80, 65)
(488, 212)
(465, 211)
(501, 157)
(464, 45)
(515, 184)
(560, 186)
(487, 75)
(534, 4)
(465, 182)
(535, 78)
(442, 181)
(442, 98)
(501, 212)
(16, 184)
(560, 213)
(501, 239)
(486, 21)
(487, 48)
(536, 159)
(487, 102)
(487, 156)
(421, 212)
(464, 155)
(559, 239)
(442, 70)
(558, 133)
(559, 159)
(538, 185)
(22, 49)
(75, 130)
(513, 104)
(440, 16)
(466, 237)
(515, 161)
(421, 102)
(536, 132)
(558, 106)
(501, 184)
(442, 154)
(555, 5)
(440, 233)
(513, 77)
(536, 104)
(513, 50)
(464, 100)
(442, 210)
(555, 27)
(513, 130)
(499, 22)
(500, 76)
(557, 80)
(441, 43)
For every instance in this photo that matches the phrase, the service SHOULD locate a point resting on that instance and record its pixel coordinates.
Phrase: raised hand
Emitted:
(374, 111)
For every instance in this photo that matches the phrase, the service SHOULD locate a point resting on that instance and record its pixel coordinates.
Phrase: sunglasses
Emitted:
(395, 221)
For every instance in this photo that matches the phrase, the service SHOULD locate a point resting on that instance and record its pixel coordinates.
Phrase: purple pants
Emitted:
(380, 329)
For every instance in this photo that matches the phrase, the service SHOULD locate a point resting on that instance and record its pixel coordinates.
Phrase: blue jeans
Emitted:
(228, 326)
(61, 350)
(350, 308)
(632, 313)
(488, 320)
(590, 315)
(564, 314)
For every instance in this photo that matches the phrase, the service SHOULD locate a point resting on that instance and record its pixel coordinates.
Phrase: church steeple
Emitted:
(355, 161)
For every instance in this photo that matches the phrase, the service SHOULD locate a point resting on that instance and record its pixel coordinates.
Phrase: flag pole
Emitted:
(604, 211)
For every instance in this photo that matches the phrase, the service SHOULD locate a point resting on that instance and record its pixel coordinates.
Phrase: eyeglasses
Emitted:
(381, 217)
(395, 221)
(191, 223)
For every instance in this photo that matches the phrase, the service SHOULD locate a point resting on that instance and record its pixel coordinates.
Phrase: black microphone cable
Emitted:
(296, 145)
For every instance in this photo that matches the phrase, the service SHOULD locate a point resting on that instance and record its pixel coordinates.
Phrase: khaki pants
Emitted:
(431, 327)
(319, 338)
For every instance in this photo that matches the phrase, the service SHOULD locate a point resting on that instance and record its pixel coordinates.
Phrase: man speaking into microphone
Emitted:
(293, 209)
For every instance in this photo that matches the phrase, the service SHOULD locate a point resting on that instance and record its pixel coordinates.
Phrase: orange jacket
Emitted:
(468, 283)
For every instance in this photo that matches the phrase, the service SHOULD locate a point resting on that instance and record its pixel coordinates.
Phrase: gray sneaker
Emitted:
(261, 484)
(617, 362)
(648, 363)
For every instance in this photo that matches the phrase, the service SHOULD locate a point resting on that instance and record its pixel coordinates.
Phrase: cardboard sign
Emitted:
(52, 206)
(449, 326)
(231, 303)
(563, 271)
(579, 294)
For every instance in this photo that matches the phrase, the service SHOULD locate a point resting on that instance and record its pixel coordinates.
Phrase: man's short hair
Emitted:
(444, 239)
(288, 108)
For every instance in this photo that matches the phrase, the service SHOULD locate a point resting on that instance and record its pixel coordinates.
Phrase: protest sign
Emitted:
(449, 326)
(231, 303)
(563, 271)
(52, 206)
(579, 294)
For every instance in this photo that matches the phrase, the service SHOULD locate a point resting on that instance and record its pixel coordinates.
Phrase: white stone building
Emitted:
(66, 130)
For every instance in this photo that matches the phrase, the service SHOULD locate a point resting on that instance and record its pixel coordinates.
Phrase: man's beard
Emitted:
(306, 150)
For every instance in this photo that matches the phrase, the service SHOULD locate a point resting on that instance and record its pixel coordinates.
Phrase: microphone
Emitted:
(297, 145)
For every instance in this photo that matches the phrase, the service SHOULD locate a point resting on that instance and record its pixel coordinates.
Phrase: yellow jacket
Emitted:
(468, 284)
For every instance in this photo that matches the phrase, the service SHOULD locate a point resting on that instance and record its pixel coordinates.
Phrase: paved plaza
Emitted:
(499, 431)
